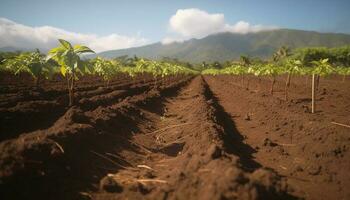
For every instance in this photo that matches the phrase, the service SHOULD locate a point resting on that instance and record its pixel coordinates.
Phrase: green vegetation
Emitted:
(284, 62)
(107, 69)
(292, 67)
(33, 63)
(336, 56)
(65, 60)
(69, 61)
(345, 71)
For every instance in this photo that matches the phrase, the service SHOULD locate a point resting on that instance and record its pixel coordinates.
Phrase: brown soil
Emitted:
(310, 152)
(177, 138)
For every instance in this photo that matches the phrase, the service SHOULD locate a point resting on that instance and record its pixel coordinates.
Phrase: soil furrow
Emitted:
(41, 114)
(296, 144)
(177, 137)
(76, 151)
(187, 151)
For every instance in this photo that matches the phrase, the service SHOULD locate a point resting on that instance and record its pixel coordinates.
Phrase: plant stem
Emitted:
(272, 84)
(71, 88)
(37, 81)
(248, 83)
(313, 107)
(286, 87)
(68, 87)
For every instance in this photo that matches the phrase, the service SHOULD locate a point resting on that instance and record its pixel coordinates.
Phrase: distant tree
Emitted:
(244, 60)
(336, 56)
(281, 53)
(125, 60)
(136, 58)
(7, 55)
(121, 58)
(216, 65)
(204, 65)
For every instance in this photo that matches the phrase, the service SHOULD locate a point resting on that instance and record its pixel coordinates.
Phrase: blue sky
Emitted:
(149, 20)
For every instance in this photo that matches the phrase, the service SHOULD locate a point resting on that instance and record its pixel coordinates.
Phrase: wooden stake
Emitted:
(145, 166)
(151, 180)
(59, 146)
(313, 108)
(287, 145)
(344, 125)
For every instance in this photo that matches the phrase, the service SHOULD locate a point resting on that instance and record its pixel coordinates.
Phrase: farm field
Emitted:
(179, 137)
(174, 100)
(306, 149)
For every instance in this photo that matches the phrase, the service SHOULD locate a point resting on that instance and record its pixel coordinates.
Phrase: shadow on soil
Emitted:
(233, 140)
(89, 154)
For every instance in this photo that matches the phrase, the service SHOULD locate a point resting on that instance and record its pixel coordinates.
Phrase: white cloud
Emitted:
(244, 27)
(45, 37)
(195, 23)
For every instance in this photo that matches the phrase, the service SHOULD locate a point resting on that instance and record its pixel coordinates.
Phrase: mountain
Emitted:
(9, 49)
(227, 46)
(13, 49)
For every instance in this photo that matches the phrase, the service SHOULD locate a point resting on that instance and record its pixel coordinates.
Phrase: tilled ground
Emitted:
(310, 152)
(179, 138)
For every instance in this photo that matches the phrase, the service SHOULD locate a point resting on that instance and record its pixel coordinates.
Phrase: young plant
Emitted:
(244, 62)
(105, 68)
(251, 70)
(292, 67)
(67, 56)
(344, 71)
(33, 63)
(321, 68)
(271, 70)
(240, 70)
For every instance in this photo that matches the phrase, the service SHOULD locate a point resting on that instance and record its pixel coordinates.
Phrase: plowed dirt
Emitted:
(174, 138)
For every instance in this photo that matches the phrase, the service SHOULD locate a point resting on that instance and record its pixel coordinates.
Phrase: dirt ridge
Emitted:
(194, 158)
(182, 137)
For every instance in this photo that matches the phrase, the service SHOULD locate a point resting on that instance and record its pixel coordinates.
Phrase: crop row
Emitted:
(291, 67)
(66, 60)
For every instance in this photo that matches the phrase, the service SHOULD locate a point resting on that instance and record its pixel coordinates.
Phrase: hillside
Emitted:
(226, 46)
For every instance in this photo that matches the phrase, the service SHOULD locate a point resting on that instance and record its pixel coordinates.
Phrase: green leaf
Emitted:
(55, 50)
(63, 70)
(324, 61)
(75, 65)
(82, 49)
(35, 69)
(50, 56)
(65, 43)
(298, 62)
